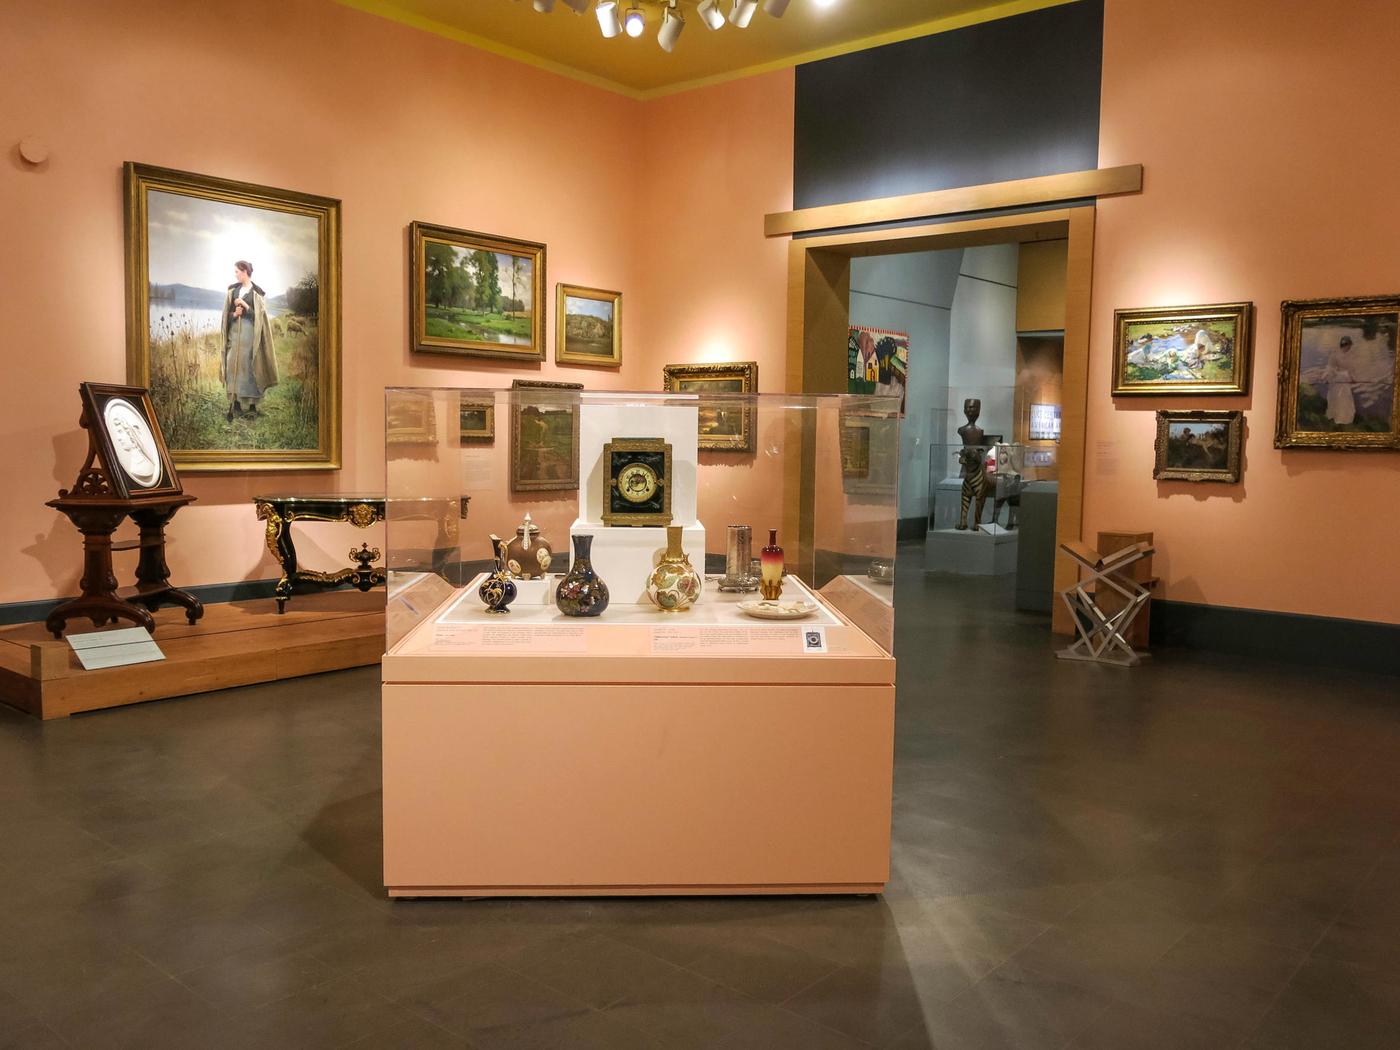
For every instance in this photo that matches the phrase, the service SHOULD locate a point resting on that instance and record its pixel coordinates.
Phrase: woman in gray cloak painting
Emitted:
(250, 364)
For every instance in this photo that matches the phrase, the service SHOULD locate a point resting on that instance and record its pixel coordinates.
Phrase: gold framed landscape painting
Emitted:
(233, 319)
(1164, 351)
(588, 327)
(476, 420)
(544, 439)
(1199, 446)
(1339, 376)
(726, 422)
(475, 294)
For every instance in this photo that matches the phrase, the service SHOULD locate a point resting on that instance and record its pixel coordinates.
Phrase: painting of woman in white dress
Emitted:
(1338, 380)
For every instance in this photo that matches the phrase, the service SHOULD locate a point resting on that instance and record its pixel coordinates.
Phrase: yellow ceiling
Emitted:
(572, 45)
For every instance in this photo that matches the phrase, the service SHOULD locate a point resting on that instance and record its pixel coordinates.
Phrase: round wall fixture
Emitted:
(32, 150)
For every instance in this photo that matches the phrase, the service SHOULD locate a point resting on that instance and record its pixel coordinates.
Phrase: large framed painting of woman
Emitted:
(233, 319)
(1339, 374)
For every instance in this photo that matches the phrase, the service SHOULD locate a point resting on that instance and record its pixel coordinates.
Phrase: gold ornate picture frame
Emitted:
(476, 420)
(411, 419)
(588, 327)
(1183, 350)
(544, 453)
(475, 294)
(204, 362)
(727, 421)
(1199, 445)
(1339, 374)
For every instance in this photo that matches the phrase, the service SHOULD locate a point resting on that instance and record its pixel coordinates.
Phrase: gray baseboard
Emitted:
(209, 594)
(1319, 641)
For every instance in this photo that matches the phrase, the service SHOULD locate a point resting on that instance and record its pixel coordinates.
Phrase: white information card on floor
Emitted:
(97, 649)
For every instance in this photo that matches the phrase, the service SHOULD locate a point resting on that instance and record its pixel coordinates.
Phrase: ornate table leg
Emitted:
(97, 601)
(279, 543)
(152, 573)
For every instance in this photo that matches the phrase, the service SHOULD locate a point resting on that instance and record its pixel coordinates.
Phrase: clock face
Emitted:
(636, 483)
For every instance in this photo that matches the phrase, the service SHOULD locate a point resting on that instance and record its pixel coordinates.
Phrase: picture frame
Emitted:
(475, 294)
(544, 452)
(1339, 375)
(869, 454)
(1183, 350)
(184, 234)
(646, 464)
(127, 438)
(476, 421)
(411, 419)
(1199, 445)
(588, 327)
(722, 428)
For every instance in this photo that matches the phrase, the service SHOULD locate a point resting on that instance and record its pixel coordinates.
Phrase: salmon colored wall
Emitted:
(1270, 174)
(711, 287)
(398, 124)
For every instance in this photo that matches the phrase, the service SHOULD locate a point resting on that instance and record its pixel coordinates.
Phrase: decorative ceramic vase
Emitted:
(771, 559)
(738, 557)
(674, 585)
(498, 589)
(581, 592)
(529, 554)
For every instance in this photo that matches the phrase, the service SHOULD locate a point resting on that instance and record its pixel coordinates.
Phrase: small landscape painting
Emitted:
(1338, 381)
(1199, 446)
(588, 323)
(544, 438)
(1183, 350)
(476, 294)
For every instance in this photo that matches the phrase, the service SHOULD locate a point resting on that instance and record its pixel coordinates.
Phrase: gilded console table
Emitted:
(358, 509)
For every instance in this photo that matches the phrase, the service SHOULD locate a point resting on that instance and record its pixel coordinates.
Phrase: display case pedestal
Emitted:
(667, 755)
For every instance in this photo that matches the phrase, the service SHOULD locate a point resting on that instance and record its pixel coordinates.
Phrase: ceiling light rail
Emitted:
(614, 19)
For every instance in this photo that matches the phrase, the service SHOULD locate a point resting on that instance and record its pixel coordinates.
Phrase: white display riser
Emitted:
(969, 553)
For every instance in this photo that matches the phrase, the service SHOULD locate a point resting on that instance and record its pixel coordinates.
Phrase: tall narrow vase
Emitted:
(581, 592)
(771, 560)
(738, 556)
(497, 590)
(674, 585)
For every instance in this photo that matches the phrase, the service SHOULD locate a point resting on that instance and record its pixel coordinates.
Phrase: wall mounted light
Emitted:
(742, 13)
(633, 21)
(775, 7)
(608, 21)
(710, 13)
(672, 23)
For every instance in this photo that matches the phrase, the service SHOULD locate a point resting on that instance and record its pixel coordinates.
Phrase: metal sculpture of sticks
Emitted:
(1103, 637)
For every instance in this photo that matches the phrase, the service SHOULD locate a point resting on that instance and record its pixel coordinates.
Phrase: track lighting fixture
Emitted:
(672, 23)
(742, 12)
(608, 21)
(710, 13)
(613, 20)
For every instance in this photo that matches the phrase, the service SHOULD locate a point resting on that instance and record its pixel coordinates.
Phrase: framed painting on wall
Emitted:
(476, 420)
(475, 294)
(1164, 351)
(725, 425)
(1339, 381)
(544, 441)
(233, 319)
(1199, 446)
(877, 362)
(588, 327)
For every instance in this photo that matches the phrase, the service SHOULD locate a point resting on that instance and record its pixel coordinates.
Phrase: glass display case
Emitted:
(544, 469)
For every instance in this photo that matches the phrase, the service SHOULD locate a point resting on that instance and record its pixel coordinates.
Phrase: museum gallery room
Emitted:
(816, 524)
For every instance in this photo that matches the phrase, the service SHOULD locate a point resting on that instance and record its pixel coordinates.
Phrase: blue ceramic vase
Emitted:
(581, 592)
(497, 590)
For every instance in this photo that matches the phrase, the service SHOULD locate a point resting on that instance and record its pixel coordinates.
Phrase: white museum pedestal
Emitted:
(990, 552)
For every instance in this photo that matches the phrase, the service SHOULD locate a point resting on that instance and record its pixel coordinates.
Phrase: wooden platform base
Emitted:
(238, 643)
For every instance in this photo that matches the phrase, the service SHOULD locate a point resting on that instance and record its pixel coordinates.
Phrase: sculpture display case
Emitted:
(650, 740)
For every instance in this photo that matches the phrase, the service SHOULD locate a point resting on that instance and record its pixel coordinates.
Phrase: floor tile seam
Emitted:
(1258, 1025)
(1337, 918)
(560, 991)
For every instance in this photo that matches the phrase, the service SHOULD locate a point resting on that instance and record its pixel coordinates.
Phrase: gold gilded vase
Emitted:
(674, 585)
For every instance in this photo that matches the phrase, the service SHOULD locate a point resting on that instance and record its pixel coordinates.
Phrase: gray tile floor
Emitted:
(1198, 853)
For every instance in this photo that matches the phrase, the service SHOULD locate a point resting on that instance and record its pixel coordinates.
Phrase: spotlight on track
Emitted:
(710, 13)
(578, 7)
(608, 21)
(672, 24)
(544, 7)
(742, 13)
(633, 21)
(775, 7)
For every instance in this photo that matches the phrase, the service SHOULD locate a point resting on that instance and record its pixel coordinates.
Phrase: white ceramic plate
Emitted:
(779, 610)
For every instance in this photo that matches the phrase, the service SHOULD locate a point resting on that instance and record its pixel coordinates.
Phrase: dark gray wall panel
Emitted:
(1003, 100)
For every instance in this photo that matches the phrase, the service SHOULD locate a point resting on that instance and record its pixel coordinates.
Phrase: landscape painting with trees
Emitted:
(588, 323)
(233, 319)
(476, 294)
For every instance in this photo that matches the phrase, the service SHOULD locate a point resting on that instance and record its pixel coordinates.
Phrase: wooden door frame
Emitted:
(818, 315)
